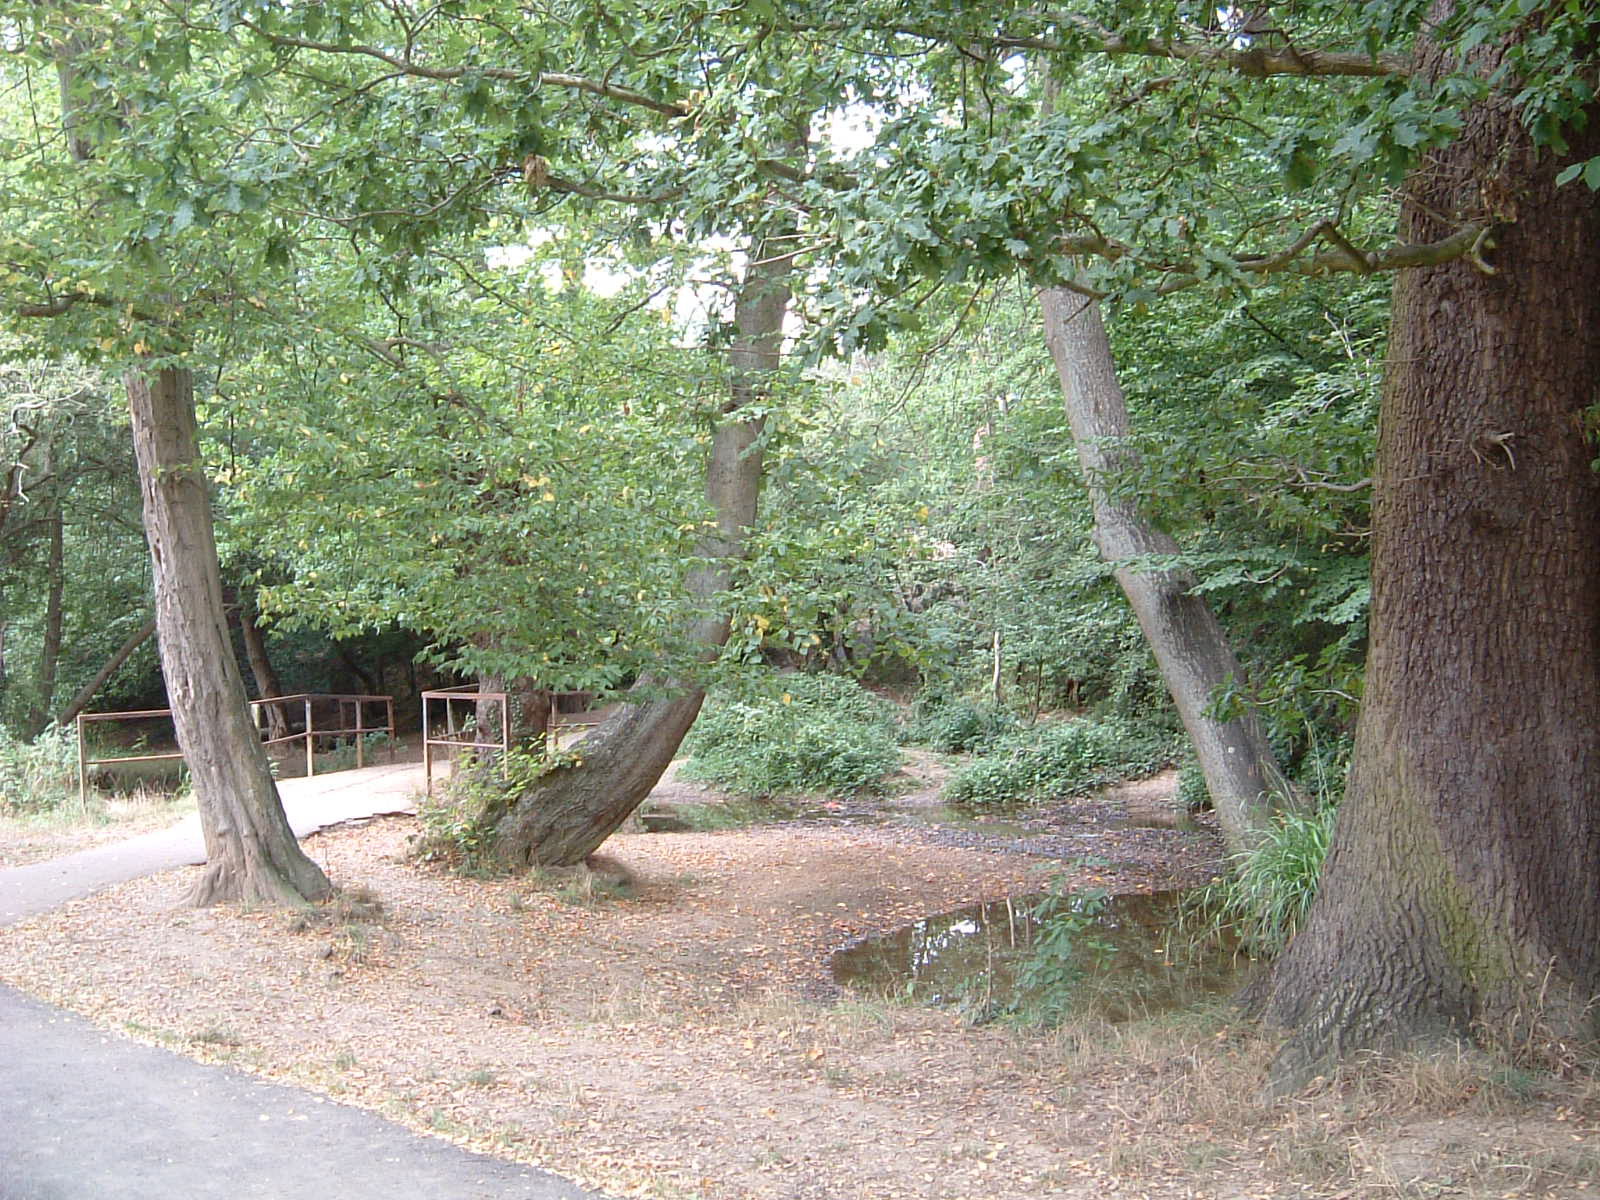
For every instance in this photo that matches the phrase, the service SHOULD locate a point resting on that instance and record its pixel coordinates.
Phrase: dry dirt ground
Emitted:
(687, 1041)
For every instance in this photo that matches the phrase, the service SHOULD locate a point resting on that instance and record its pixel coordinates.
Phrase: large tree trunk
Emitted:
(568, 813)
(251, 853)
(1461, 890)
(1190, 645)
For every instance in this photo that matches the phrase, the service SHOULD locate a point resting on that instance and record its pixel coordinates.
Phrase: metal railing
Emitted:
(354, 705)
(449, 698)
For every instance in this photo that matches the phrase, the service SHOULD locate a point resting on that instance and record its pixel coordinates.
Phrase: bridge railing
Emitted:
(473, 730)
(351, 722)
(461, 729)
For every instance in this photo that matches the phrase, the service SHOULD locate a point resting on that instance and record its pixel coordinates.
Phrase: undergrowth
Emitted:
(1264, 897)
(38, 776)
(819, 733)
(454, 831)
(951, 725)
(1066, 758)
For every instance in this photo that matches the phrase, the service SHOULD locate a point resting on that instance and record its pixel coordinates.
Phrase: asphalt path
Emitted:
(88, 1115)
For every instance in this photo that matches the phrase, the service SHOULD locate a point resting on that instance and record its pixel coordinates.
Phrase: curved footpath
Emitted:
(86, 1115)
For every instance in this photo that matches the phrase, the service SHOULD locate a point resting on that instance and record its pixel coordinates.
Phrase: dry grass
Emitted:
(33, 837)
(682, 1044)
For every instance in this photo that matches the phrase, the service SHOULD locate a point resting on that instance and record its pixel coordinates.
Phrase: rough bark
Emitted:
(566, 816)
(1190, 645)
(265, 674)
(1461, 889)
(124, 652)
(251, 853)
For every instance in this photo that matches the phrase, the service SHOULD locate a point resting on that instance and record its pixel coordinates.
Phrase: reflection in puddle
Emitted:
(1124, 960)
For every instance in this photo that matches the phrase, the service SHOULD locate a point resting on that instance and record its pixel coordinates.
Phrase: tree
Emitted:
(109, 127)
(565, 815)
(251, 853)
(1196, 658)
(1460, 887)
(1461, 882)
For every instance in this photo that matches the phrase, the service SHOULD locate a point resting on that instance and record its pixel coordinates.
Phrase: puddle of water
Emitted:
(953, 818)
(1159, 818)
(1124, 963)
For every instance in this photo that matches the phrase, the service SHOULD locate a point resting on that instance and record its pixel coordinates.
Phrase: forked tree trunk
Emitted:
(251, 853)
(567, 814)
(1190, 645)
(1461, 889)
(527, 707)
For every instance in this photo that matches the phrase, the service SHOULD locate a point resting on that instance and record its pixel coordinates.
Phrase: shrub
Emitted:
(1193, 795)
(1066, 945)
(38, 776)
(454, 828)
(821, 733)
(1064, 759)
(954, 726)
(1266, 895)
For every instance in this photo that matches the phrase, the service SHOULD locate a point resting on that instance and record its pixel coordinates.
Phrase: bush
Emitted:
(38, 776)
(954, 726)
(1193, 794)
(1064, 759)
(821, 733)
(454, 829)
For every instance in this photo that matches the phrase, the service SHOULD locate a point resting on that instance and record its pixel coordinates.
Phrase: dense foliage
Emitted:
(1060, 760)
(819, 733)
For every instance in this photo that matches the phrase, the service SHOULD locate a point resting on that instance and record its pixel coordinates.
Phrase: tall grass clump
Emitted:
(38, 776)
(1264, 899)
(1067, 758)
(812, 733)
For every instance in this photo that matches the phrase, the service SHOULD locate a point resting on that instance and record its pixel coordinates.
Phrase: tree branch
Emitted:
(1254, 61)
(579, 83)
(1467, 243)
(61, 305)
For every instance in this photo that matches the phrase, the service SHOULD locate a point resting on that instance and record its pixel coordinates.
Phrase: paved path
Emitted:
(86, 1115)
(311, 804)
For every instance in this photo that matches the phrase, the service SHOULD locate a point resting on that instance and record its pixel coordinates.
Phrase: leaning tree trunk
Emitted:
(567, 814)
(251, 853)
(1190, 646)
(50, 650)
(1460, 891)
(268, 685)
(87, 692)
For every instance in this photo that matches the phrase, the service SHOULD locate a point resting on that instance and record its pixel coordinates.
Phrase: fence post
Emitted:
(361, 748)
(311, 743)
(83, 768)
(427, 748)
